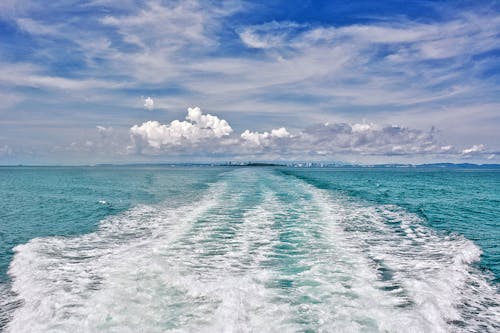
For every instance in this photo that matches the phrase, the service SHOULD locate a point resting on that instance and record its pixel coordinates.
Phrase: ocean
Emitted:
(249, 249)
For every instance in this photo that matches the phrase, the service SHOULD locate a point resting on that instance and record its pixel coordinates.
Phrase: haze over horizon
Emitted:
(107, 81)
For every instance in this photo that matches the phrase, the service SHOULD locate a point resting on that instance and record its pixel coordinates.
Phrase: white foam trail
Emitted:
(332, 287)
(258, 253)
(153, 270)
(427, 279)
(109, 280)
(219, 265)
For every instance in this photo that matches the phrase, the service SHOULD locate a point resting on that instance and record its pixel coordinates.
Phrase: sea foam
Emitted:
(259, 252)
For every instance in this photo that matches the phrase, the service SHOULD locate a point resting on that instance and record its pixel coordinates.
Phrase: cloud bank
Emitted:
(208, 134)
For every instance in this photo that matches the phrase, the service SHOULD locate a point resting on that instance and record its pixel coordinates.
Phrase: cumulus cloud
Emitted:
(473, 150)
(330, 138)
(264, 139)
(359, 128)
(207, 133)
(196, 128)
(217, 127)
(149, 103)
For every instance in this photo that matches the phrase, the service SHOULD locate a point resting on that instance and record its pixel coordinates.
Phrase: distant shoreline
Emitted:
(275, 164)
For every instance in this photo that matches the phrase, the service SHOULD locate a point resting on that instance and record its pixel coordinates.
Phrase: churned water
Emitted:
(215, 249)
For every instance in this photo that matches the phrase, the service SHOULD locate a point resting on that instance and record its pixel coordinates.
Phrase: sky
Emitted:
(106, 81)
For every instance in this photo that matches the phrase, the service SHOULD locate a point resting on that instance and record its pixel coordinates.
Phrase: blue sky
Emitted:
(353, 81)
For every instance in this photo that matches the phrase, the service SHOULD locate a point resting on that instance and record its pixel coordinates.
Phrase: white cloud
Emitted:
(268, 35)
(29, 75)
(474, 149)
(149, 103)
(343, 73)
(253, 41)
(182, 21)
(280, 133)
(197, 128)
(36, 28)
(218, 127)
(171, 42)
(264, 139)
(367, 139)
(358, 128)
(202, 136)
(209, 134)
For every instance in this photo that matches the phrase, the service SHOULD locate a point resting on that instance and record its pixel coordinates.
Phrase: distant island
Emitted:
(342, 165)
(278, 164)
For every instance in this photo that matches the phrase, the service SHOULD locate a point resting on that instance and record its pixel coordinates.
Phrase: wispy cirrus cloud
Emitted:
(264, 75)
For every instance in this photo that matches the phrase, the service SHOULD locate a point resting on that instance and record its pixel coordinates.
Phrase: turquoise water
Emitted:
(466, 202)
(153, 249)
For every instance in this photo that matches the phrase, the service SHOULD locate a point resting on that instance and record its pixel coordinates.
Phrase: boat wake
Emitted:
(259, 252)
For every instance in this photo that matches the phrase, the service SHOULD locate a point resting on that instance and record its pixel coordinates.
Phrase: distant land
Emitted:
(284, 164)
(340, 165)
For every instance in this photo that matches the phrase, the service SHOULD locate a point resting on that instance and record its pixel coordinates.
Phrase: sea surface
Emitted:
(249, 249)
